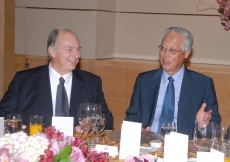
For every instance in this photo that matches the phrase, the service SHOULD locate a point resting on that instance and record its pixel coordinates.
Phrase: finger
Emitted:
(203, 107)
(147, 128)
(78, 129)
(23, 126)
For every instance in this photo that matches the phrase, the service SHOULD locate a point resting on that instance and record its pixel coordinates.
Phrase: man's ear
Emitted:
(51, 51)
(187, 53)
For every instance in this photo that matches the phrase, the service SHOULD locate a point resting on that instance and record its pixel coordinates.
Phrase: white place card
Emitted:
(212, 156)
(1, 126)
(130, 139)
(63, 124)
(112, 150)
(176, 144)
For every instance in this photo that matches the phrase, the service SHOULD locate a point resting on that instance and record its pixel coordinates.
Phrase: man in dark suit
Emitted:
(194, 96)
(33, 91)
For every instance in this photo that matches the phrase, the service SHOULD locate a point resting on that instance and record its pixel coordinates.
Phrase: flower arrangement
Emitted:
(141, 158)
(224, 10)
(50, 146)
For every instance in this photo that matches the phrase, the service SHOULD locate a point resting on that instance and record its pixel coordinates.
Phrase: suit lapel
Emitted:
(43, 85)
(153, 94)
(185, 96)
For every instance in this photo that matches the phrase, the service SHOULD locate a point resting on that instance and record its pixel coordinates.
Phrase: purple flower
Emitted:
(227, 25)
(76, 155)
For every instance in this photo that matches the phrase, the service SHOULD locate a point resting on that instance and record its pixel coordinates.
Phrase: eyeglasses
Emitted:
(171, 51)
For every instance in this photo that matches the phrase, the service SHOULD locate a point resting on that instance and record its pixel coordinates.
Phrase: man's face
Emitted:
(173, 63)
(66, 56)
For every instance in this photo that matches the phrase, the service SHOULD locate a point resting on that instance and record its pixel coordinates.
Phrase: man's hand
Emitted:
(146, 129)
(78, 129)
(202, 116)
(23, 127)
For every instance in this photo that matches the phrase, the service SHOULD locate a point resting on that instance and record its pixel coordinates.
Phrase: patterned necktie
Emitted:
(62, 107)
(167, 112)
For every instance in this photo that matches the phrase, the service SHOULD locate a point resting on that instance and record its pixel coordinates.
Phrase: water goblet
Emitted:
(221, 136)
(99, 127)
(13, 123)
(85, 116)
(203, 136)
(167, 128)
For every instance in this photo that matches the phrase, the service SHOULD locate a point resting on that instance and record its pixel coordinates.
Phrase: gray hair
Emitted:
(188, 41)
(52, 39)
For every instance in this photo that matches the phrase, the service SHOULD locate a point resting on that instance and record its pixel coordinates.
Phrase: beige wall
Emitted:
(2, 9)
(7, 22)
(122, 29)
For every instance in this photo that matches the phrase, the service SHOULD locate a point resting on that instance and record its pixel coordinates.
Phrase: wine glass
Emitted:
(99, 126)
(167, 128)
(203, 136)
(13, 123)
(85, 116)
(221, 135)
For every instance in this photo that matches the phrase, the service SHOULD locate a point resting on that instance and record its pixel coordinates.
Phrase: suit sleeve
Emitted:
(104, 108)
(211, 101)
(133, 113)
(9, 101)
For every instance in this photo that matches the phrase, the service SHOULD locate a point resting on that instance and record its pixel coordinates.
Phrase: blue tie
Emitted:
(167, 112)
(62, 106)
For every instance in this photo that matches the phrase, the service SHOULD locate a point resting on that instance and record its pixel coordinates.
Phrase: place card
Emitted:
(2, 126)
(212, 156)
(112, 150)
(130, 139)
(64, 124)
(176, 147)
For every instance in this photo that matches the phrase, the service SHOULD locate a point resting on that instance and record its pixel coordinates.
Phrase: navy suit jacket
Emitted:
(29, 93)
(196, 89)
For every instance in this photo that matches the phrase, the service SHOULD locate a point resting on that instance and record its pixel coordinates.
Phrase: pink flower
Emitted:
(5, 156)
(76, 155)
(129, 159)
(227, 25)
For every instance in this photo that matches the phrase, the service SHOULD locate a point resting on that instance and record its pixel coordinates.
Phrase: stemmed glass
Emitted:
(203, 136)
(13, 123)
(221, 136)
(99, 126)
(85, 116)
(167, 128)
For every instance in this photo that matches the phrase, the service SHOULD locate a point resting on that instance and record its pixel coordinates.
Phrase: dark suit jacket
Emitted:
(195, 90)
(29, 93)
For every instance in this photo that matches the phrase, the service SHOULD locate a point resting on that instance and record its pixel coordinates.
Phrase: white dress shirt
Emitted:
(54, 81)
(163, 86)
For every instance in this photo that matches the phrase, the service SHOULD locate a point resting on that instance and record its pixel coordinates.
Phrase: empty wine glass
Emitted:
(203, 136)
(99, 126)
(167, 128)
(85, 115)
(221, 135)
(13, 123)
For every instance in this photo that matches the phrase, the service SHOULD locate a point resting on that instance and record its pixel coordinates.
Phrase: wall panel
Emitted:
(168, 6)
(138, 35)
(39, 23)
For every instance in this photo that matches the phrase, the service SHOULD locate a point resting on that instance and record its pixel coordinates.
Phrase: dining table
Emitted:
(111, 138)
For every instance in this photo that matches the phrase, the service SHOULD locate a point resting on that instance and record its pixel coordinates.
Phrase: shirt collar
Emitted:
(54, 76)
(178, 76)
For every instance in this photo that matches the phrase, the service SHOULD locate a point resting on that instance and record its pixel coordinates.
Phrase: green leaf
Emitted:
(64, 155)
(57, 158)
(65, 150)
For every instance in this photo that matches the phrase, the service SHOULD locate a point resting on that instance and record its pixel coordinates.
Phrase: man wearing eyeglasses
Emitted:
(172, 92)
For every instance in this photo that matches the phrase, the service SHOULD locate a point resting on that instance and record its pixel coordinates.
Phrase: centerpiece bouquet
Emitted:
(224, 10)
(50, 146)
